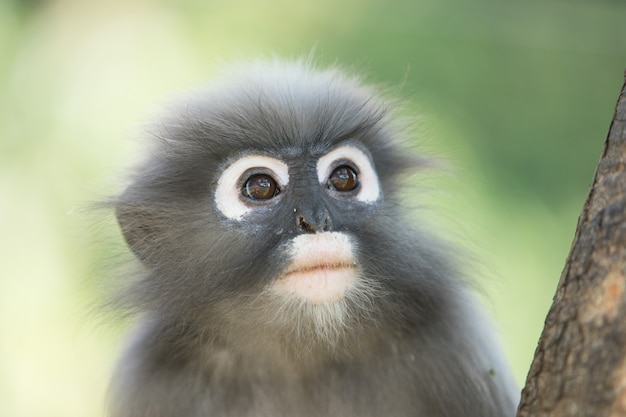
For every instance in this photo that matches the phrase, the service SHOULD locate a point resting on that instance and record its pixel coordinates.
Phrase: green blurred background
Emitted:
(517, 95)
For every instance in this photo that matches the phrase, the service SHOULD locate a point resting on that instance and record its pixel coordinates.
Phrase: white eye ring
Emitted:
(228, 198)
(369, 189)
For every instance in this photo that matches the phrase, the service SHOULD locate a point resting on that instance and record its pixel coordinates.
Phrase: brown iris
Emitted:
(260, 187)
(343, 178)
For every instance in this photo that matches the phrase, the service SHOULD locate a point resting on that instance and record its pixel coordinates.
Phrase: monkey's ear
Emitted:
(140, 228)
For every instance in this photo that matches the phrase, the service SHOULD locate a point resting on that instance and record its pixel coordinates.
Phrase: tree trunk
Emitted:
(579, 368)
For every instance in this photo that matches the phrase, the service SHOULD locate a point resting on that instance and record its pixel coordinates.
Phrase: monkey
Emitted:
(279, 274)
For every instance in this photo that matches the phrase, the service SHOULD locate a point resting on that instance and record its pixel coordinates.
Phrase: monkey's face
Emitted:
(310, 202)
(268, 211)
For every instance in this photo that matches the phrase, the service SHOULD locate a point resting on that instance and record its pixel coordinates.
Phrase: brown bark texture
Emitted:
(579, 368)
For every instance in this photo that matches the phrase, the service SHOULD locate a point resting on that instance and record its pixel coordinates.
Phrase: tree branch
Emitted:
(579, 368)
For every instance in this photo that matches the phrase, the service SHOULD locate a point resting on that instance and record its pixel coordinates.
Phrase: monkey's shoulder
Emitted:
(407, 376)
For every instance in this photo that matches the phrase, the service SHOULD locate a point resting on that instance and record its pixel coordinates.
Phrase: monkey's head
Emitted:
(266, 218)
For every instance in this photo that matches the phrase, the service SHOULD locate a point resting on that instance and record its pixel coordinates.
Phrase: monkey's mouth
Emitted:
(318, 268)
(322, 268)
(318, 283)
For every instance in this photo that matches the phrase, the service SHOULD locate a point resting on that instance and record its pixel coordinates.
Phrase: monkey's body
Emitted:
(280, 276)
(401, 378)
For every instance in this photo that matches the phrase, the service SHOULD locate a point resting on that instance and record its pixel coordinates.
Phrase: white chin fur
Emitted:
(321, 270)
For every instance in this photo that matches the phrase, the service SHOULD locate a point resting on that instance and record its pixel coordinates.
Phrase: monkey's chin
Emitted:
(318, 285)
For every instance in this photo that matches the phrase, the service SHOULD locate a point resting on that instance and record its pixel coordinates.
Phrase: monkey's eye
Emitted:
(260, 187)
(343, 179)
(251, 182)
(347, 173)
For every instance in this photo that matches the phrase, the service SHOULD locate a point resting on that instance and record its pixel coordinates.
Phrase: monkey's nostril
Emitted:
(325, 225)
(304, 225)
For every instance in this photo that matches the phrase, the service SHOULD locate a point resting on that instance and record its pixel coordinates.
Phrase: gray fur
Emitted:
(212, 342)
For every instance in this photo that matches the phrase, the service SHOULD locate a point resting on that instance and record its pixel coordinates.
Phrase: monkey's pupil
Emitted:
(343, 178)
(260, 187)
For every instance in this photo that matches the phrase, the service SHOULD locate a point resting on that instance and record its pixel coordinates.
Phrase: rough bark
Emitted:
(579, 368)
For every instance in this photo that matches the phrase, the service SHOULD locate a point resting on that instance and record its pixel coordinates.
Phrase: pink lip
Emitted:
(318, 283)
(322, 268)
(304, 269)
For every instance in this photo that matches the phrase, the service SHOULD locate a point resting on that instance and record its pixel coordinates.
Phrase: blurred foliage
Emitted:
(518, 95)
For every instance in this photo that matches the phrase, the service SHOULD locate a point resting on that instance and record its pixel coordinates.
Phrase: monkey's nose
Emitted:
(311, 223)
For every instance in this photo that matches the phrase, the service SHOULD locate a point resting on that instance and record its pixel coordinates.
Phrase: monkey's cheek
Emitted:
(318, 286)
